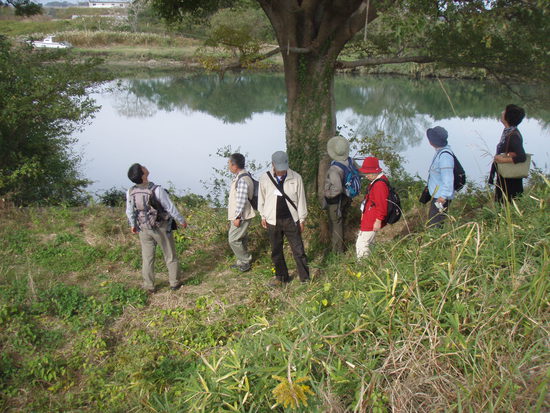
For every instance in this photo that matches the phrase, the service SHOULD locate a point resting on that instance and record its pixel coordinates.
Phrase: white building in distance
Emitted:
(111, 4)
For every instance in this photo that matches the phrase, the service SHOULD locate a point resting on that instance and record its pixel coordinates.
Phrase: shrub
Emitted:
(113, 197)
(42, 105)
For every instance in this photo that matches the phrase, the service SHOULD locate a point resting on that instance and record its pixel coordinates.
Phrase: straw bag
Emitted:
(515, 170)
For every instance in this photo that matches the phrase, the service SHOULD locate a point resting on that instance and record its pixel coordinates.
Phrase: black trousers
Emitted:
(287, 227)
(508, 188)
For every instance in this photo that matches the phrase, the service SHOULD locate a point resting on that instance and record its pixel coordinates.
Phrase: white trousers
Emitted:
(364, 240)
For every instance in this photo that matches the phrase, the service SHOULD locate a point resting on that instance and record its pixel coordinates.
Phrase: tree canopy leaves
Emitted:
(25, 8)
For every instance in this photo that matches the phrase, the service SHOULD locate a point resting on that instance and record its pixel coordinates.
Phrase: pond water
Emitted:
(175, 125)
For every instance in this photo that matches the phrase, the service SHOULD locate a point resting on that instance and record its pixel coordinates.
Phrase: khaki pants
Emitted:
(149, 239)
(364, 240)
(238, 241)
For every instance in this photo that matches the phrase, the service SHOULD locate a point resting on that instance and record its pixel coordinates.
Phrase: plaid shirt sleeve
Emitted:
(242, 197)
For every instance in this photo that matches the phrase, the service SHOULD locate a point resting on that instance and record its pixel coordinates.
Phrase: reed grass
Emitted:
(112, 38)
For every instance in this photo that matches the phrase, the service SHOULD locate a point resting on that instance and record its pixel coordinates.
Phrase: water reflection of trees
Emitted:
(405, 108)
(233, 99)
(400, 107)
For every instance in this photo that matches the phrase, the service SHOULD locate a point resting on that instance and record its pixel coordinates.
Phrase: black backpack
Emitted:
(394, 203)
(254, 200)
(458, 172)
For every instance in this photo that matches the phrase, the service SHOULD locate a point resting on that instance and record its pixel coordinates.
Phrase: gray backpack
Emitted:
(147, 209)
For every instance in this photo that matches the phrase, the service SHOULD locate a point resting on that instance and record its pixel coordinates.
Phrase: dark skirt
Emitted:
(508, 188)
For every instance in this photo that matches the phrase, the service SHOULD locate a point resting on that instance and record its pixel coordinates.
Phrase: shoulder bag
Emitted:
(514, 170)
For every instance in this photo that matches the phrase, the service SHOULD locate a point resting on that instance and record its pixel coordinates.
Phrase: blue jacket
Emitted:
(441, 176)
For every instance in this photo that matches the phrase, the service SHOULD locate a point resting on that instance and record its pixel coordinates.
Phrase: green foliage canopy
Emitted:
(43, 100)
(25, 8)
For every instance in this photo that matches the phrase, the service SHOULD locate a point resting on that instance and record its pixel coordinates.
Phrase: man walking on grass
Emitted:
(240, 211)
(282, 205)
(151, 214)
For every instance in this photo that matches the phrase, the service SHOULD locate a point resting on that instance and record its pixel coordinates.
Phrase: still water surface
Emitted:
(175, 125)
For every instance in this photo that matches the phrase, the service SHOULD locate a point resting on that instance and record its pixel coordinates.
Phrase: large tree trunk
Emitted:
(310, 116)
(311, 35)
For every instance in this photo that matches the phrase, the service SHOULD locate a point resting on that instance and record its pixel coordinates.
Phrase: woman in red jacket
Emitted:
(375, 207)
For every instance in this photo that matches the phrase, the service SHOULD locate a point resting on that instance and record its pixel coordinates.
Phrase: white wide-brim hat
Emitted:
(338, 148)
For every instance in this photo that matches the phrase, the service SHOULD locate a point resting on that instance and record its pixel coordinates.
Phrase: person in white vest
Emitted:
(151, 214)
(240, 211)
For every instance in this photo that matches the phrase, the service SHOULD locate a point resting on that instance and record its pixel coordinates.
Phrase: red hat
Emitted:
(370, 166)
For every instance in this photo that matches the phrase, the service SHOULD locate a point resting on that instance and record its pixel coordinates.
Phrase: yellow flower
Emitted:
(291, 394)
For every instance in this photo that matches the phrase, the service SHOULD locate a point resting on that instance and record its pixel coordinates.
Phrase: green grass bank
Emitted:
(452, 319)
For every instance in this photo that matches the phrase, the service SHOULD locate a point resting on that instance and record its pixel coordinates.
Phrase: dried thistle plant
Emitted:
(291, 393)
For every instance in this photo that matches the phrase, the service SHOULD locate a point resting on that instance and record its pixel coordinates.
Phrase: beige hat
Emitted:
(338, 148)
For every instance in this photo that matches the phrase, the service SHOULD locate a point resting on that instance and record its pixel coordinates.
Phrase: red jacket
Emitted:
(376, 206)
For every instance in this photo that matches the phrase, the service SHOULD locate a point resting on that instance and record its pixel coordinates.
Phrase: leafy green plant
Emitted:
(65, 300)
(45, 369)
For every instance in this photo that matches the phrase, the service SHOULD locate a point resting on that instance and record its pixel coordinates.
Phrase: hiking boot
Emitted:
(244, 268)
(176, 287)
(149, 292)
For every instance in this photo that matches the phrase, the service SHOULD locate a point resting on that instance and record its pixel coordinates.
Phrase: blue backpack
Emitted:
(352, 179)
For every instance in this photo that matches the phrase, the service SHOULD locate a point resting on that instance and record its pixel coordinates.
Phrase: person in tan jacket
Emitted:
(240, 211)
(283, 208)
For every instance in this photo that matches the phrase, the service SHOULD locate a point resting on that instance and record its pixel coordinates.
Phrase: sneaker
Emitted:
(176, 287)
(241, 267)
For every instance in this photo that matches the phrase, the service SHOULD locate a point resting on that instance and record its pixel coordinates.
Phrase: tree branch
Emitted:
(239, 64)
(383, 60)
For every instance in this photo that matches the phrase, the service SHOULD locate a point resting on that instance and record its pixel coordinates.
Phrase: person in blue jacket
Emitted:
(440, 177)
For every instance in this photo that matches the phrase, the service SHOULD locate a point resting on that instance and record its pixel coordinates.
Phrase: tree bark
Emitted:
(319, 29)
(310, 116)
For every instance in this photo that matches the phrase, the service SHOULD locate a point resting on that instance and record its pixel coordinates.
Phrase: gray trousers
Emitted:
(336, 216)
(149, 239)
(238, 241)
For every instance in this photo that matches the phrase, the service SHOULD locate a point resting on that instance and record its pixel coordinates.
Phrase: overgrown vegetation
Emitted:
(43, 100)
(453, 319)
